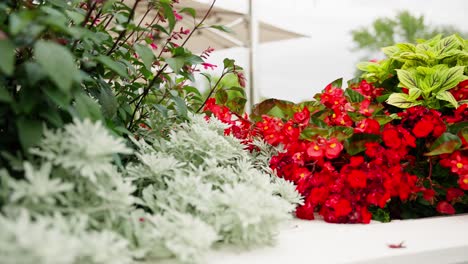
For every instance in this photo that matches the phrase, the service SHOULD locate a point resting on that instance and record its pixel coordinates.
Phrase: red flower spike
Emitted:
(444, 207)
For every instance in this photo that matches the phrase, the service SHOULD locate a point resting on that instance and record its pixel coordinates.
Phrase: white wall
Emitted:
(297, 69)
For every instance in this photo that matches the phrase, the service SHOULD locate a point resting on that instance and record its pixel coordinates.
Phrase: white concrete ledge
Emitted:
(430, 240)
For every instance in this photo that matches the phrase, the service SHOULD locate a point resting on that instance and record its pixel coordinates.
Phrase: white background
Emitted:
(297, 69)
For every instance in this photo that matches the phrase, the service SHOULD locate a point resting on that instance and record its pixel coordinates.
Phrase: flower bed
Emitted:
(105, 154)
(391, 146)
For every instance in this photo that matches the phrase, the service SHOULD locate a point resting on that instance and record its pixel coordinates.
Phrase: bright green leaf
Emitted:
(414, 94)
(452, 77)
(400, 100)
(447, 44)
(407, 79)
(447, 96)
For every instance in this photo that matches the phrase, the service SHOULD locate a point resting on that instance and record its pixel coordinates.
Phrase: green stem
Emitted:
(211, 92)
(123, 32)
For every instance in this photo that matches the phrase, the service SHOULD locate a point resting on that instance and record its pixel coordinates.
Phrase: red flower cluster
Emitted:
(460, 92)
(423, 122)
(458, 164)
(342, 187)
(240, 127)
(367, 89)
(459, 115)
(334, 99)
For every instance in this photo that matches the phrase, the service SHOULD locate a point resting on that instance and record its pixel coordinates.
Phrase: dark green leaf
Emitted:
(169, 14)
(7, 60)
(113, 65)
(85, 107)
(5, 95)
(382, 98)
(265, 107)
(445, 144)
(194, 59)
(354, 96)
(18, 22)
(338, 83)
(357, 142)
(53, 117)
(221, 97)
(29, 131)
(189, 10)
(58, 63)
(455, 128)
(146, 55)
(180, 106)
(76, 17)
(109, 104)
(176, 63)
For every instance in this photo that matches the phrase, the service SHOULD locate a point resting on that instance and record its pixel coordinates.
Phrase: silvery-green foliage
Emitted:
(41, 241)
(58, 240)
(195, 188)
(199, 140)
(38, 186)
(215, 180)
(261, 160)
(82, 147)
(287, 190)
(185, 234)
(247, 216)
(64, 182)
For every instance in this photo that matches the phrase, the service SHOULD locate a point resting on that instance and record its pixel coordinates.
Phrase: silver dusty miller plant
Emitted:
(176, 198)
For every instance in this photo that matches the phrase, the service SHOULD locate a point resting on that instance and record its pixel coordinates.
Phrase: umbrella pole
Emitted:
(253, 43)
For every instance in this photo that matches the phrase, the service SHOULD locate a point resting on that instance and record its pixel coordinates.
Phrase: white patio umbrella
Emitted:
(247, 32)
